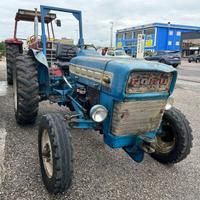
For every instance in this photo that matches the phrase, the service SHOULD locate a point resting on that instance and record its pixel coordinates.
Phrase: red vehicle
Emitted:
(14, 46)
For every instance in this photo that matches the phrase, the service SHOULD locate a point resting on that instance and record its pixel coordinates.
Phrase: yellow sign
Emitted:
(149, 43)
(119, 45)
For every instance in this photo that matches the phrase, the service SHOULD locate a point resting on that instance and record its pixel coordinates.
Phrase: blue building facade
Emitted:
(158, 36)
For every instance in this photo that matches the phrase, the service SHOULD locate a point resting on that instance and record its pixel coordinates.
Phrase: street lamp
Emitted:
(111, 34)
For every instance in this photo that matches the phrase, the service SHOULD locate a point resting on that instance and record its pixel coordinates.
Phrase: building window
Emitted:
(178, 33)
(169, 43)
(136, 33)
(171, 32)
(120, 35)
(149, 31)
(129, 43)
(128, 35)
(177, 43)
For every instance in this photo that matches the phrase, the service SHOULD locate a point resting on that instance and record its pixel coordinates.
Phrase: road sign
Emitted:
(140, 46)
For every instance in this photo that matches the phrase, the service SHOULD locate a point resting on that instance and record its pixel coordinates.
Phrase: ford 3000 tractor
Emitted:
(128, 101)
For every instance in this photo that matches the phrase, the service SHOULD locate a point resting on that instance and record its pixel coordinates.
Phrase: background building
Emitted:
(158, 36)
(190, 43)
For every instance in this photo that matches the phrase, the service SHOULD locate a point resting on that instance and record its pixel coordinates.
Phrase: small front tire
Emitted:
(55, 153)
(175, 139)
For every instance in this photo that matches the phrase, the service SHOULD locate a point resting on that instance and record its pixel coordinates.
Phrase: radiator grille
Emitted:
(137, 117)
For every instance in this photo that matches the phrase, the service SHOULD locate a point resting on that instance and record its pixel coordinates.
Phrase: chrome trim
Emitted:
(94, 74)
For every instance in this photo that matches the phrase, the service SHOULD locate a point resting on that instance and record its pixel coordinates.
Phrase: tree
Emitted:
(2, 49)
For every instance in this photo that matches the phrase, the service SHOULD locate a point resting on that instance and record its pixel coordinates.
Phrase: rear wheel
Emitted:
(162, 61)
(26, 90)
(175, 65)
(12, 51)
(175, 140)
(55, 153)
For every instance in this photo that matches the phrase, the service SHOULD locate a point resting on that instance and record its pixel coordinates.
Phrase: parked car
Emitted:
(167, 57)
(194, 58)
(117, 53)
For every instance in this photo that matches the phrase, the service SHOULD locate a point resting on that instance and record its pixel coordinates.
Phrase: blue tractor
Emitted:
(128, 101)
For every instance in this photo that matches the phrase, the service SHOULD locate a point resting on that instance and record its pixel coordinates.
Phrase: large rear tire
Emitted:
(175, 140)
(26, 90)
(55, 153)
(12, 51)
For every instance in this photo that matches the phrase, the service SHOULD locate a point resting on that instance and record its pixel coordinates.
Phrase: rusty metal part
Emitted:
(137, 117)
(164, 146)
(47, 157)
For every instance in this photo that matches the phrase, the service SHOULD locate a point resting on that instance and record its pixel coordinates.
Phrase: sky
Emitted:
(97, 15)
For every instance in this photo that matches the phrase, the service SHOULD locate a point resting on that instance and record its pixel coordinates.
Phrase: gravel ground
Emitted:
(100, 172)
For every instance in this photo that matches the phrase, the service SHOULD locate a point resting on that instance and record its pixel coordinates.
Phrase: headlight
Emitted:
(141, 82)
(170, 102)
(98, 113)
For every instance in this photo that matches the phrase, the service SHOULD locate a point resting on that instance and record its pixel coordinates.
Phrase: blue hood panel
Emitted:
(119, 68)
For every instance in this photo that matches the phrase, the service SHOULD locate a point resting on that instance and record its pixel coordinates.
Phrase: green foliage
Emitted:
(2, 49)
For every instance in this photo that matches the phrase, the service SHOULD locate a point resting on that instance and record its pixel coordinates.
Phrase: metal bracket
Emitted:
(135, 153)
(82, 124)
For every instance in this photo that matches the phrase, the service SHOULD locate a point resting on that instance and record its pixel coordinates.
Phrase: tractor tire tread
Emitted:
(11, 52)
(27, 90)
(182, 150)
(62, 153)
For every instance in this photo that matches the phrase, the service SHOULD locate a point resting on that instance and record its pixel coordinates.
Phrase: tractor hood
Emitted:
(110, 75)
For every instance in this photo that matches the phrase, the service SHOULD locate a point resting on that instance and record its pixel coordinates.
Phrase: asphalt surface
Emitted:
(189, 71)
(99, 171)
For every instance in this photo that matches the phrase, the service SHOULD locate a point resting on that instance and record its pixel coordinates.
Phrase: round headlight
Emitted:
(98, 113)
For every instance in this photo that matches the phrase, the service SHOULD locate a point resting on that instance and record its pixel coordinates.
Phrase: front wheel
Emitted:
(175, 139)
(55, 153)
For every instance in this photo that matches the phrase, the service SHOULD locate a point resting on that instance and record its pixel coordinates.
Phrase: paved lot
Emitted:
(100, 172)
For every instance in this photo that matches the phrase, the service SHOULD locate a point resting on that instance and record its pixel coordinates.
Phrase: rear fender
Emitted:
(43, 72)
(14, 41)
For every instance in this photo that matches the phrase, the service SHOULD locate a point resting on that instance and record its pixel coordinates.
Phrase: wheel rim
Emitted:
(47, 154)
(166, 140)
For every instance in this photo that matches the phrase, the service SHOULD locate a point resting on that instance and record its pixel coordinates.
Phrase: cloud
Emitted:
(97, 15)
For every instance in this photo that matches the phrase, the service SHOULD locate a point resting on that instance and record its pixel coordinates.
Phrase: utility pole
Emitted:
(111, 34)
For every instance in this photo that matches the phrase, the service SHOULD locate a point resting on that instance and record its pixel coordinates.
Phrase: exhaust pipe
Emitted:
(36, 25)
